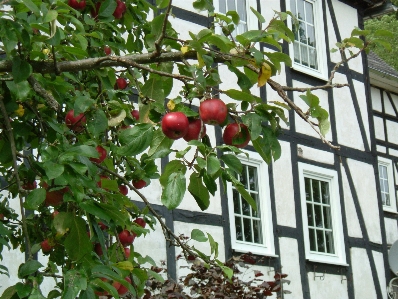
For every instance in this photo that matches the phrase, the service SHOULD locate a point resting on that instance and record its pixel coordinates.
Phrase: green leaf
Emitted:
(98, 124)
(171, 167)
(79, 53)
(21, 70)
(174, 191)
(160, 145)
(82, 103)
(324, 126)
(258, 15)
(20, 90)
(234, 16)
(23, 290)
(53, 170)
(35, 198)
(198, 235)
(77, 243)
(51, 15)
(28, 268)
(213, 165)
(228, 272)
(152, 89)
(310, 99)
(232, 162)
(115, 214)
(213, 245)
(135, 140)
(253, 122)
(61, 222)
(32, 7)
(9, 292)
(107, 8)
(74, 283)
(162, 3)
(242, 96)
(243, 81)
(199, 191)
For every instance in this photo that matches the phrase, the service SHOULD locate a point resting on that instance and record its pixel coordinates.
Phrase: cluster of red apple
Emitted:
(176, 125)
(81, 5)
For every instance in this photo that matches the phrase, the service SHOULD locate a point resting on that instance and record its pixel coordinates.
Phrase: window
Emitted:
(322, 222)
(242, 7)
(308, 50)
(387, 186)
(251, 231)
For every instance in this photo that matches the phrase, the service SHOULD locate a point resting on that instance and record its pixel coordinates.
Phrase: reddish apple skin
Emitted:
(75, 123)
(102, 155)
(123, 290)
(116, 285)
(45, 246)
(98, 249)
(141, 222)
(194, 128)
(135, 114)
(139, 184)
(175, 125)
(56, 197)
(95, 11)
(123, 189)
(127, 252)
(231, 135)
(120, 9)
(126, 237)
(1, 216)
(213, 111)
(78, 5)
(30, 185)
(102, 225)
(107, 50)
(121, 83)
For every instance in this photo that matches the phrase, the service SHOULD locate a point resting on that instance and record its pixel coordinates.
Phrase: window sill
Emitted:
(342, 264)
(390, 211)
(255, 252)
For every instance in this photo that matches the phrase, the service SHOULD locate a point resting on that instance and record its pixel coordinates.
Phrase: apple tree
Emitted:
(92, 95)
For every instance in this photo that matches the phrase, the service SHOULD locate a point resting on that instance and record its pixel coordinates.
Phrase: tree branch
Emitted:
(51, 101)
(163, 33)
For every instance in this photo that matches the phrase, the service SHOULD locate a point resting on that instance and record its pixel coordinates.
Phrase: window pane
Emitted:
(236, 198)
(329, 242)
(325, 192)
(245, 208)
(310, 36)
(313, 58)
(238, 228)
(310, 215)
(247, 227)
(320, 241)
(318, 216)
(253, 178)
(222, 6)
(293, 6)
(316, 192)
(309, 16)
(308, 192)
(327, 217)
(257, 232)
(231, 5)
(255, 213)
(311, 233)
(302, 34)
(300, 9)
(241, 5)
(387, 199)
(243, 177)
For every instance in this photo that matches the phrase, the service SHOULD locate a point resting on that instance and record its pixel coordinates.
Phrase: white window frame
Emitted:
(330, 176)
(267, 248)
(391, 184)
(322, 71)
(252, 22)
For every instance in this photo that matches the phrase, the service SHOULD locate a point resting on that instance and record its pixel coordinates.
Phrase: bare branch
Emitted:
(163, 33)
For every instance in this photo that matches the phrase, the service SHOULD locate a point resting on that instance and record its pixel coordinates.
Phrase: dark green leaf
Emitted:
(213, 165)
(51, 15)
(74, 283)
(53, 170)
(213, 245)
(77, 243)
(35, 198)
(21, 70)
(199, 191)
(28, 268)
(174, 191)
(107, 8)
(98, 124)
(242, 96)
(258, 15)
(171, 167)
(153, 89)
(160, 145)
(135, 140)
(232, 162)
(19, 91)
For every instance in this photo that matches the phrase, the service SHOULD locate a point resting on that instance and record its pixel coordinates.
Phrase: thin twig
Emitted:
(51, 101)
(16, 174)
(158, 42)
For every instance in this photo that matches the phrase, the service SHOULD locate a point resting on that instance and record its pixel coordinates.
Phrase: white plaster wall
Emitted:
(331, 287)
(364, 286)
(365, 186)
(393, 152)
(301, 125)
(363, 106)
(381, 272)
(185, 27)
(376, 99)
(284, 191)
(354, 229)
(387, 105)
(394, 98)
(381, 149)
(392, 129)
(316, 155)
(348, 131)
(187, 5)
(391, 230)
(291, 266)
(379, 128)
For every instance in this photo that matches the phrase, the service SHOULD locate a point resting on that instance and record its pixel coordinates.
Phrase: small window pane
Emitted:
(253, 178)
(308, 191)
(318, 216)
(329, 242)
(241, 5)
(327, 217)
(320, 241)
(223, 6)
(243, 177)
(293, 6)
(310, 36)
(257, 231)
(325, 192)
(311, 233)
(245, 208)
(238, 228)
(316, 192)
(310, 215)
(256, 213)
(231, 5)
(247, 226)
(309, 16)
(300, 9)
(236, 198)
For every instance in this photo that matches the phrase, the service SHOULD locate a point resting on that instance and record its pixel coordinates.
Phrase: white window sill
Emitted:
(328, 262)
(389, 210)
(254, 252)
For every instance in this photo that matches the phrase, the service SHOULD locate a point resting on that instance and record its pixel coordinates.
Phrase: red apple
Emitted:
(116, 284)
(141, 222)
(77, 4)
(95, 11)
(102, 225)
(194, 128)
(120, 9)
(56, 197)
(1, 216)
(135, 114)
(75, 123)
(126, 237)
(213, 111)
(175, 125)
(45, 246)
(121, 83)
(102, 155)
(107, 50)
(232, 136)
(30, 185)
(123, 290)
(103, 292)
(127, 252)
(123, 189)
(139, 184)
(98, 249)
